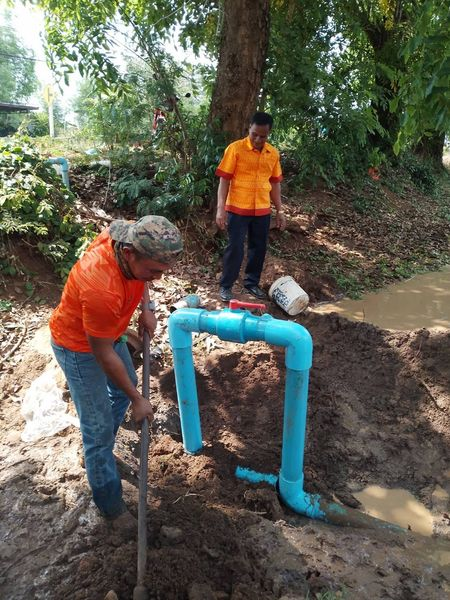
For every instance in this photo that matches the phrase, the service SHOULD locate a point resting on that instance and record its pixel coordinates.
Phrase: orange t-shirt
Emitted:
(97, 299)
(251, 174)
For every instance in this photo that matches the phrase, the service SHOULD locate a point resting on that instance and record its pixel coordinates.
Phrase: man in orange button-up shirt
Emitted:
(250, 176)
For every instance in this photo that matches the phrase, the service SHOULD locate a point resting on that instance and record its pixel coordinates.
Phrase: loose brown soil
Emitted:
(379, 407)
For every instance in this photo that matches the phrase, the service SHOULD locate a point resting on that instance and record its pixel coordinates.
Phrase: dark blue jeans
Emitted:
(101, 407)
(257, 231)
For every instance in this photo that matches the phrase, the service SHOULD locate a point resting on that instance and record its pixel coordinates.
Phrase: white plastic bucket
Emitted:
(289, 295)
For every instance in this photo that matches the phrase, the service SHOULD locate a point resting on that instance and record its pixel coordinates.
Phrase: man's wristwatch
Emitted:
(150, 306)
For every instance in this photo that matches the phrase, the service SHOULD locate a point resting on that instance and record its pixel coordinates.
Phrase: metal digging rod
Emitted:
(140, 592)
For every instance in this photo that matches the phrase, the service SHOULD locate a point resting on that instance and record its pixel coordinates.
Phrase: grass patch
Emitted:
(5, 305)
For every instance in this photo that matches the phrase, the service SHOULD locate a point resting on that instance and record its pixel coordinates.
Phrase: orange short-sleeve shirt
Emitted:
(97, 299)
(251, 174)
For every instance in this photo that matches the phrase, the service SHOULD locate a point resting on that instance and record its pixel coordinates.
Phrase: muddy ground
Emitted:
(378, 414)
(379, 406)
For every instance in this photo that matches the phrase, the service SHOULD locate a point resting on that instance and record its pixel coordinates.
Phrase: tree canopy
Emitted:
(345, 75)
(17, 73)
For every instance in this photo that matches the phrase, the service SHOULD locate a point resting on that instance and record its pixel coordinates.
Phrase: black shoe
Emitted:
(225, 294)
(256, 291)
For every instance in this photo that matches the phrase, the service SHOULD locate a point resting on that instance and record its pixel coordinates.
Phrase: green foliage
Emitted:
(17, 77)
(117, 119)
(342, 78)
(424, 87)
(129, 189)
(421, 172)
(82, 36)
(5, 305)
(169, 178)
(319, 86)
(362, 204)
(36, 124)
(33, 203)
(331, 147)
(191, 185)
(138, 161)
(72, 145)
(175, 193)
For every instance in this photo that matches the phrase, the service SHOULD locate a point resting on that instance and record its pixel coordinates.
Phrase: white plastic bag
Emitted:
(44, 410)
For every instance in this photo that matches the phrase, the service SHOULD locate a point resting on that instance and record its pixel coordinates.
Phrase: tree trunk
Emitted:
(432, 148)
(385, 53)
(243, 50)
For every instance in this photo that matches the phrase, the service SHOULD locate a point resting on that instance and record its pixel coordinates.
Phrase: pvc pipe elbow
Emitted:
(298, 500)
(297, 340)
(60, 160)
(182, 323)
(64, 164)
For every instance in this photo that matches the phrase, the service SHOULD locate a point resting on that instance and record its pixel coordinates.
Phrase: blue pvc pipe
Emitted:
(181, 340)
(64, 168)
(255, 477)
(242, 326)
(294, 421)
(187, 400)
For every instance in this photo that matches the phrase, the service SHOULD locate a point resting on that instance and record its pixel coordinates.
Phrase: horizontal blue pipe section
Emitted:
(255, 477)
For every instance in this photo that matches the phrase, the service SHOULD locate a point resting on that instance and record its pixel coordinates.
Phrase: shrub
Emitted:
(129, 189)
(35, 204)
(421, 172)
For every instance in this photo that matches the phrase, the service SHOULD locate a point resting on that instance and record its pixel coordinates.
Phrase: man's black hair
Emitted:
(262, 118)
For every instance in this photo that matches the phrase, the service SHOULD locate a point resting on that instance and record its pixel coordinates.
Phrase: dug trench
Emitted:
(378, 414)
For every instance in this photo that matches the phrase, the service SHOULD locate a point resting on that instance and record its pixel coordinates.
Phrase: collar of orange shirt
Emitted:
(248, 145)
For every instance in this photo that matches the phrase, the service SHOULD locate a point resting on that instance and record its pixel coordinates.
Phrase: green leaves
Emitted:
(425, 85)
(130, 188)
(17, 76)
(34, 203)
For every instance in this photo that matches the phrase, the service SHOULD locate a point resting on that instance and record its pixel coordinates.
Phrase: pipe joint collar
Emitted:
(232, 325)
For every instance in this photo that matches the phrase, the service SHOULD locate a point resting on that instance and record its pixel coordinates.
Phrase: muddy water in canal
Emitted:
(423, 301)
(420, 302)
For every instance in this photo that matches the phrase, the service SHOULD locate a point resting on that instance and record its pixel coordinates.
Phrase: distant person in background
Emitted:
(100, 296)
(159, 118)
(250, 176)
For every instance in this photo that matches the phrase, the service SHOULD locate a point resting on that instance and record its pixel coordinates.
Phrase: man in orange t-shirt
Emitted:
(101, 294)
(250, 176)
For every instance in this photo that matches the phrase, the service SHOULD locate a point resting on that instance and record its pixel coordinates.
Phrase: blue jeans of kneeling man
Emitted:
(101, 407)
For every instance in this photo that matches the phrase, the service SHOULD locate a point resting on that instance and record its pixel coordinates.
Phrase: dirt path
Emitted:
(378, 413)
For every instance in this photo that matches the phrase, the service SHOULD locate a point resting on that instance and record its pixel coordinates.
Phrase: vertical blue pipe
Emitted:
(294, 426)
(64, 168)
(187, 399)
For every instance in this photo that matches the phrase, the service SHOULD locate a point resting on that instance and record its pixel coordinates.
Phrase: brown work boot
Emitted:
(125, 525)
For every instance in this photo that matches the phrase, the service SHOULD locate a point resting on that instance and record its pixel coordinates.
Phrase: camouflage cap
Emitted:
(153, 236)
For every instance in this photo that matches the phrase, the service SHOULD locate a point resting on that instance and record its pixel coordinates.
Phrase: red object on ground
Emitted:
(374, 173)
(234, 304)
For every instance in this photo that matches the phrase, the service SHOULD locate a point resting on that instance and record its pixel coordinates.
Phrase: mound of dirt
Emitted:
(378, 413)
